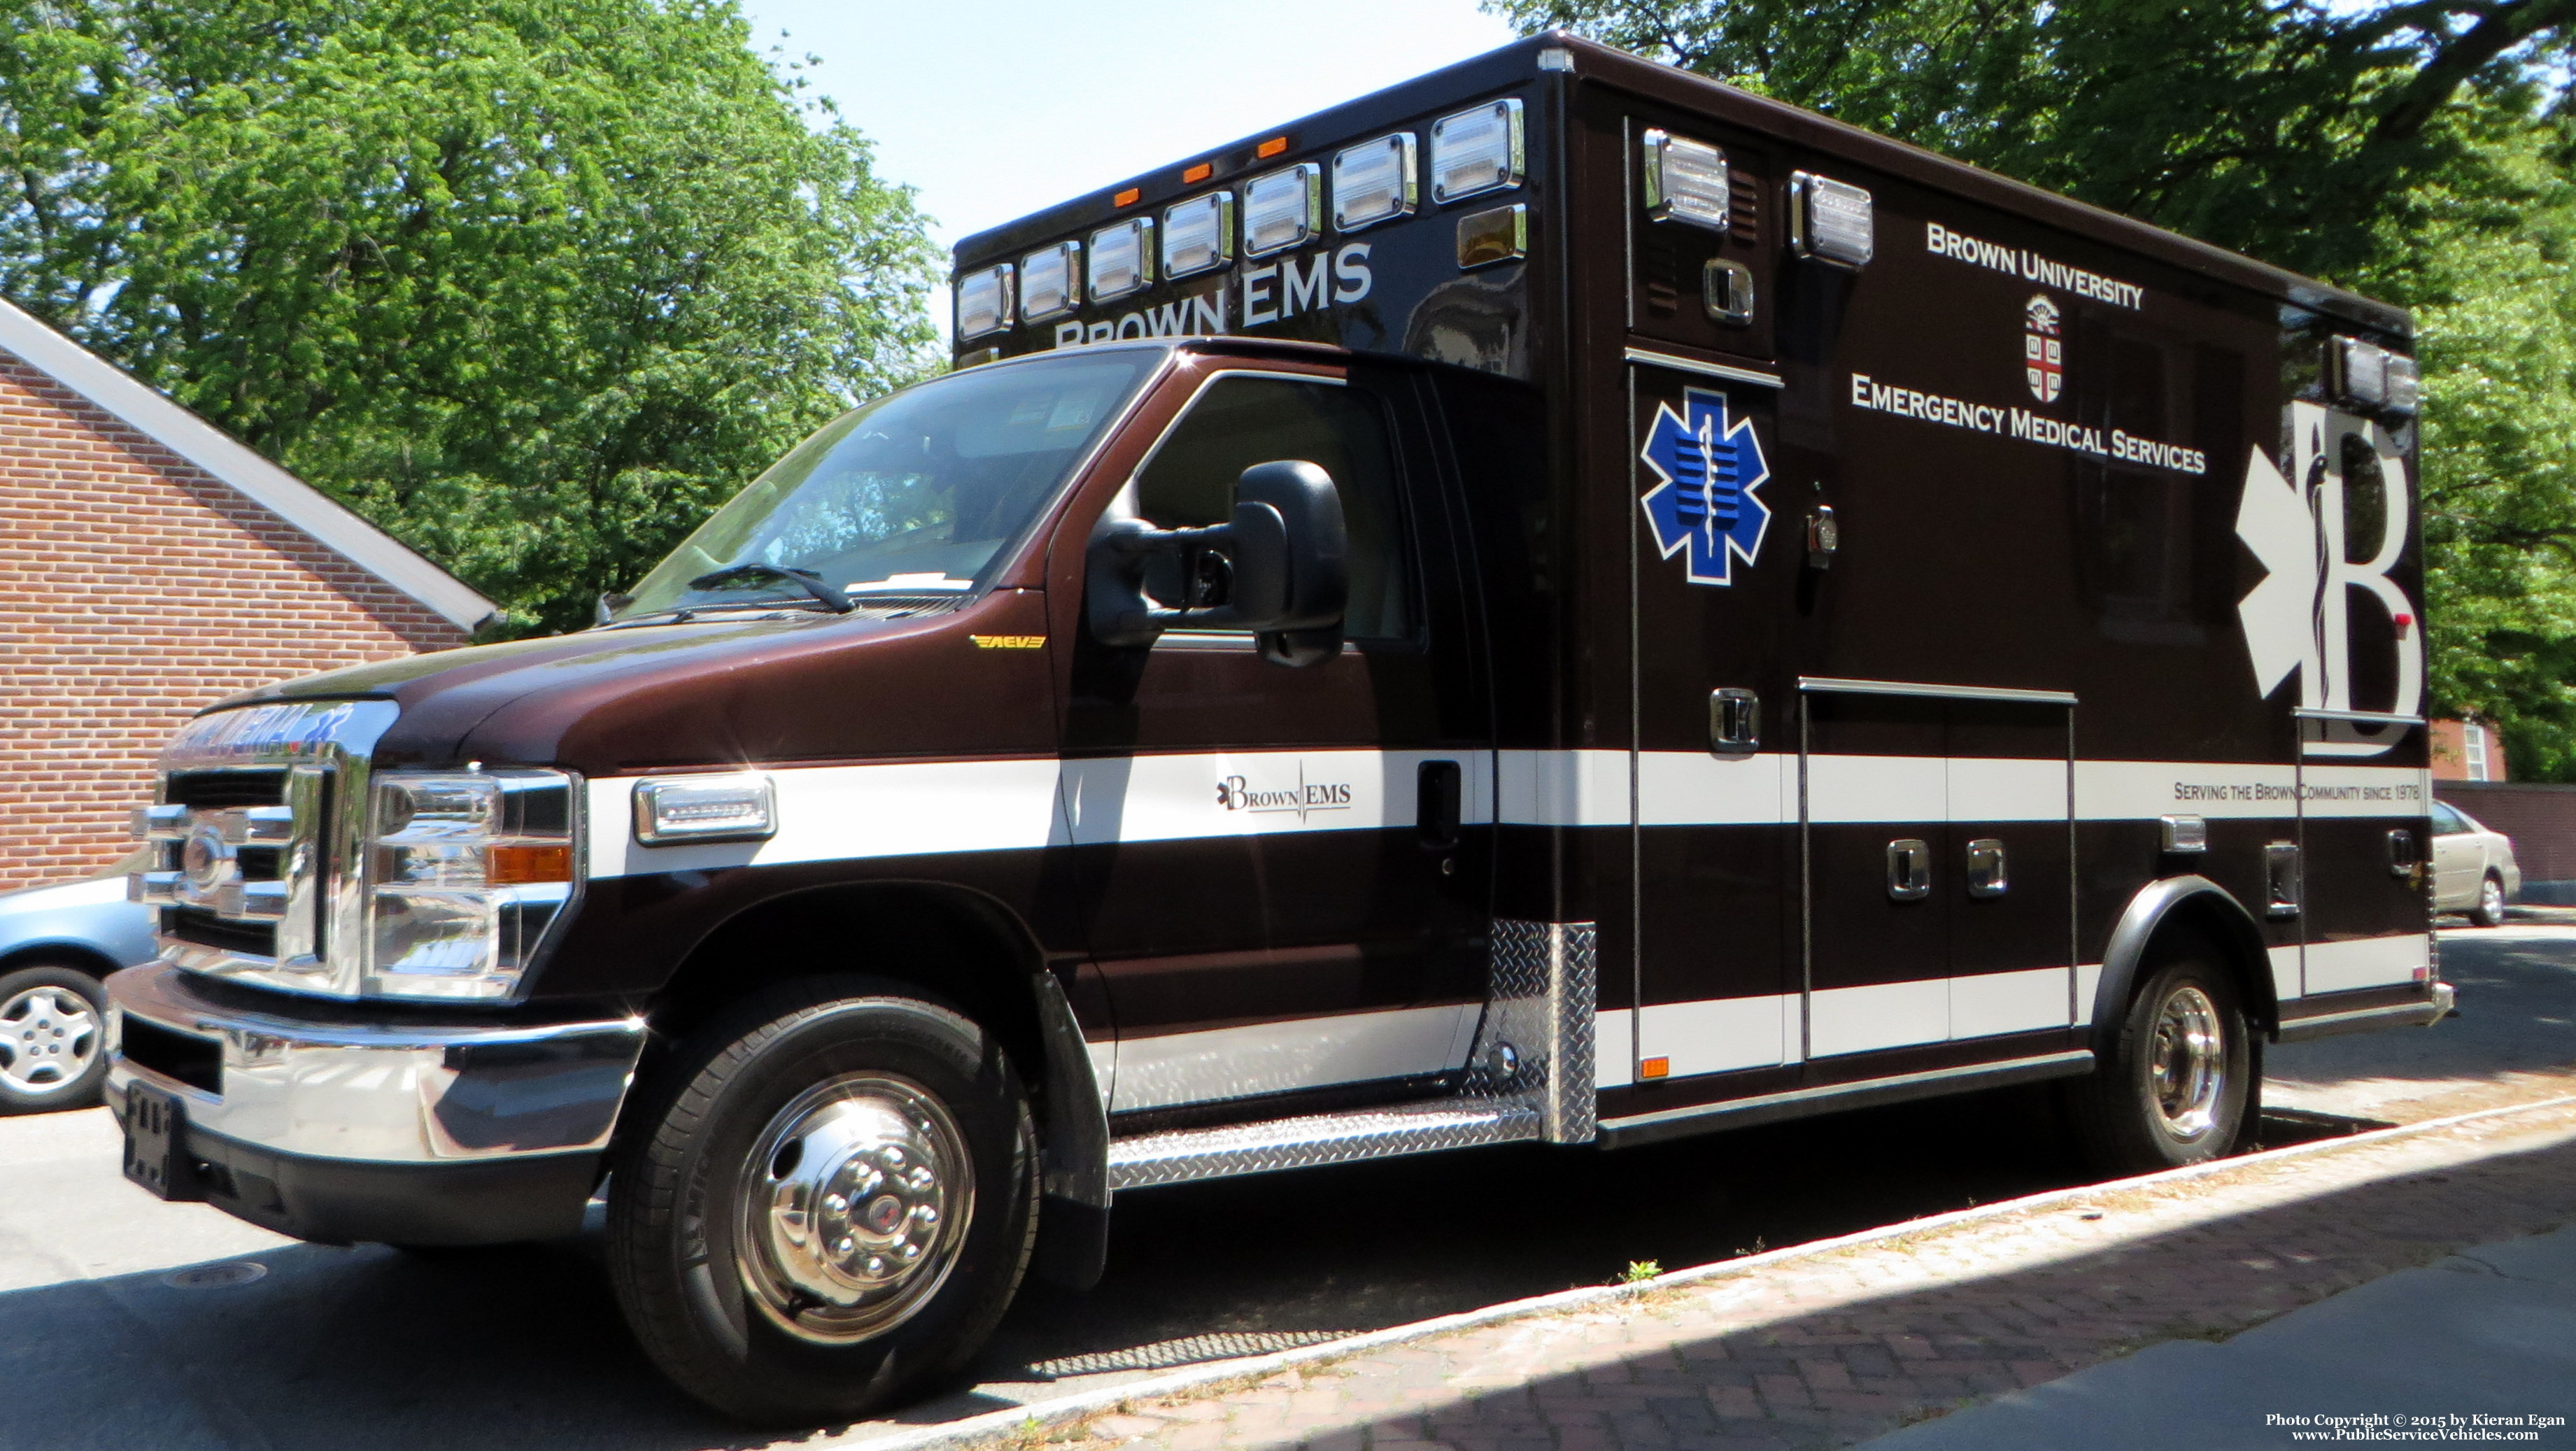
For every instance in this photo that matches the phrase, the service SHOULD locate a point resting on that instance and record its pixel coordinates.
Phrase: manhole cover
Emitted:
(1188, 1350)
(215, 1277)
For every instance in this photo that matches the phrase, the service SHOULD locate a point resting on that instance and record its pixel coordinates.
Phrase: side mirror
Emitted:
(1281, 563)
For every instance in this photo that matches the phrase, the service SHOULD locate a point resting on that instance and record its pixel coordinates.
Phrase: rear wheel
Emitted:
(53, 1039)
(2489, 912)
(830, 1207)
(2176, 1085)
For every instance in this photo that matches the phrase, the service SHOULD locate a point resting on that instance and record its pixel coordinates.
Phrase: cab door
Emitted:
(1283, 868)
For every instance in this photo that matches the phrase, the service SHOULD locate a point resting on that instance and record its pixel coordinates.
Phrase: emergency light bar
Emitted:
(1049, 283)
(1373, 182)
(1282, 210)
(1685, 180)
(1476, 151)
(1830, 220)
(1198, 235)
(1122, 259)
(984, 301)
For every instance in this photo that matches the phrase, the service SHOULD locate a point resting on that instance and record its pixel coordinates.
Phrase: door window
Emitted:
(1239, 422)
(2447, 821)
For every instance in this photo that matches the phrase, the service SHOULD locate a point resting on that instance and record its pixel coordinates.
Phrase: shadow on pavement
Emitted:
(2517, 1015)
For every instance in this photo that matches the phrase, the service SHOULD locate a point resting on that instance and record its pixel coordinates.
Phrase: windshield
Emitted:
(916, 494)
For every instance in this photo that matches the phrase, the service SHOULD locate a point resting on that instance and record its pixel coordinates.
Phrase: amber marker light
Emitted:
(1127, 198)
(513, 866)
(1655, 1068)
(1270, 148)
(1199, 173)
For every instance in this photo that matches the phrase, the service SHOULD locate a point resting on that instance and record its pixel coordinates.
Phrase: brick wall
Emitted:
(134, 589)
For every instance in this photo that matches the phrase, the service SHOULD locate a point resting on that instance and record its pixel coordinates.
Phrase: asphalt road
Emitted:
(175, 1326)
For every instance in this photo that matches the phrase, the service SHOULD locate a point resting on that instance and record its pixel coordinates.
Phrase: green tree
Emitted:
(533, 284)
(2411, 151)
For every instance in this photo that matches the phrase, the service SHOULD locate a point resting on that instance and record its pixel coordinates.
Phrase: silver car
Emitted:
(2473, 868)
(56, 943)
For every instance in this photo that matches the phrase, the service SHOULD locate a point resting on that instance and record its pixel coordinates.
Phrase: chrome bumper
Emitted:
(385, 1092)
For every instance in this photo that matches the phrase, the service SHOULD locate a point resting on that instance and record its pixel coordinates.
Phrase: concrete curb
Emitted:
(1016, 1421)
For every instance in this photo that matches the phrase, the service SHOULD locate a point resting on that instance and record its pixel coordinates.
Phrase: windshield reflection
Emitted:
(914, 496)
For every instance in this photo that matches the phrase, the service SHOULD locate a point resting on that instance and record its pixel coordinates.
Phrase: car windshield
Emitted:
(918, 493)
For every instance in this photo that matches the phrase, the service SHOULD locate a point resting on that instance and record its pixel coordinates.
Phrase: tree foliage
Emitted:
(2413, 151)
(533, 284)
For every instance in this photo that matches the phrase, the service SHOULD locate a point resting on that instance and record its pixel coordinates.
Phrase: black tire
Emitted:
(53, 1039)
(2136, 1112)
(2489, 911)
(721, 1297)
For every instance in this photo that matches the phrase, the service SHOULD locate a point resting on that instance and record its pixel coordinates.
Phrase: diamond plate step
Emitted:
(1187, 1155)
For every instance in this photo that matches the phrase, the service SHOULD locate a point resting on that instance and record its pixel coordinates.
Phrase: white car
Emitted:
(2473, 868)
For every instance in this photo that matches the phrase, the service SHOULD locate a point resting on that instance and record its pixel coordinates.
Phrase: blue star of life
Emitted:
(1710, 466)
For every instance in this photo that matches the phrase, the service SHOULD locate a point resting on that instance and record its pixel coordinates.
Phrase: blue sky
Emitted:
(995, 108)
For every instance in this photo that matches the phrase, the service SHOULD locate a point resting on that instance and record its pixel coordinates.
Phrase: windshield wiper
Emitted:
(804, 579)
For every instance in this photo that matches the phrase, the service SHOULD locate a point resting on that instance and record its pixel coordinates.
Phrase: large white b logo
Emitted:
(2299, 618)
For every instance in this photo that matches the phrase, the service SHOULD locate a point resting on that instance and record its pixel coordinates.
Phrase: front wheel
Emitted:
(2175, 1087)
(830, 1208)
(2489, 912)
(53, 1039)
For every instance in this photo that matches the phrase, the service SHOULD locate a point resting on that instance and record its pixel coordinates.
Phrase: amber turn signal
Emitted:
(512, 866)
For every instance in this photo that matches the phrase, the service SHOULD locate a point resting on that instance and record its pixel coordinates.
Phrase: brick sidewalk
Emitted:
(1831, 1348)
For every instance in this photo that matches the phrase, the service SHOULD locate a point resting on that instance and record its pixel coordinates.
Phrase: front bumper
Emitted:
(349, 1128)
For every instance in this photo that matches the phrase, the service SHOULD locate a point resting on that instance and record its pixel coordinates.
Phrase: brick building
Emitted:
(149, 563)
(2467, 750)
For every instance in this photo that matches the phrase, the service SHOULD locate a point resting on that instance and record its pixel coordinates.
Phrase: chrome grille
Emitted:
(254, 840)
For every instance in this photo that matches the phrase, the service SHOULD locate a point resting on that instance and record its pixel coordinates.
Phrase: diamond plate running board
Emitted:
(1188, 1155)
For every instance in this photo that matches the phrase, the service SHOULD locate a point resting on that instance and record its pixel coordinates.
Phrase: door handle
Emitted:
(1986, 876)
(1909, 869)
(1734, 722)
(1437, 789)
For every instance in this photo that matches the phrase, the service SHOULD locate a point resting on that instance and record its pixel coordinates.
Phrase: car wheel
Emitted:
(830, 1205)
(2175, 1087)
(53, 1039)
(2489, 912)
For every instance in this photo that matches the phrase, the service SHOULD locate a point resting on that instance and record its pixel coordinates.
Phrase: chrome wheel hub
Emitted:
(2189, 1063)
(2491, 898)
(48, 1036)
(853, 1205)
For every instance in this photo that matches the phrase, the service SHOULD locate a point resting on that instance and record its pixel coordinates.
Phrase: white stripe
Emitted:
(830, 813)
(1614, 1048)
(1987, 1003)
(1562, 788)
(1882, 1015)
(2367, 962)
(1684, 788)
(1717, 1036)
(1301, 1053)
(1877, 788)
(2285, 971)
(845, 813)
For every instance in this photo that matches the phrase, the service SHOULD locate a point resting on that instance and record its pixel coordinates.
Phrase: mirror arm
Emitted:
(1119, 610)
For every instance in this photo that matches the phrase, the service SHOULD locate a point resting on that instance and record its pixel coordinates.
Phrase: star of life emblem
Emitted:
(1709, 465)
(2043, 351)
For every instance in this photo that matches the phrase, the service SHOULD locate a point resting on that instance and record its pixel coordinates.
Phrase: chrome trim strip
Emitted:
(2362, 1020)
(2357, 717)
(385, 1091)
(1764, 1108)
(1728, 371)
(1189, 1155)
(1530, 1076)
(1812, 683)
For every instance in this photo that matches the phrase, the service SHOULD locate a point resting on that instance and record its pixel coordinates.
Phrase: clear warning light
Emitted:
(1282, 210)
(1831, 220)
(1198, 234)
(1050, 282)
(1476, 151)
(1373, 182)
(1685, 180)
(1122, 259)
(984, 302)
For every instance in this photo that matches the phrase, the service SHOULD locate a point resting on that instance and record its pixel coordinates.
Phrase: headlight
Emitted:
(465, 872)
